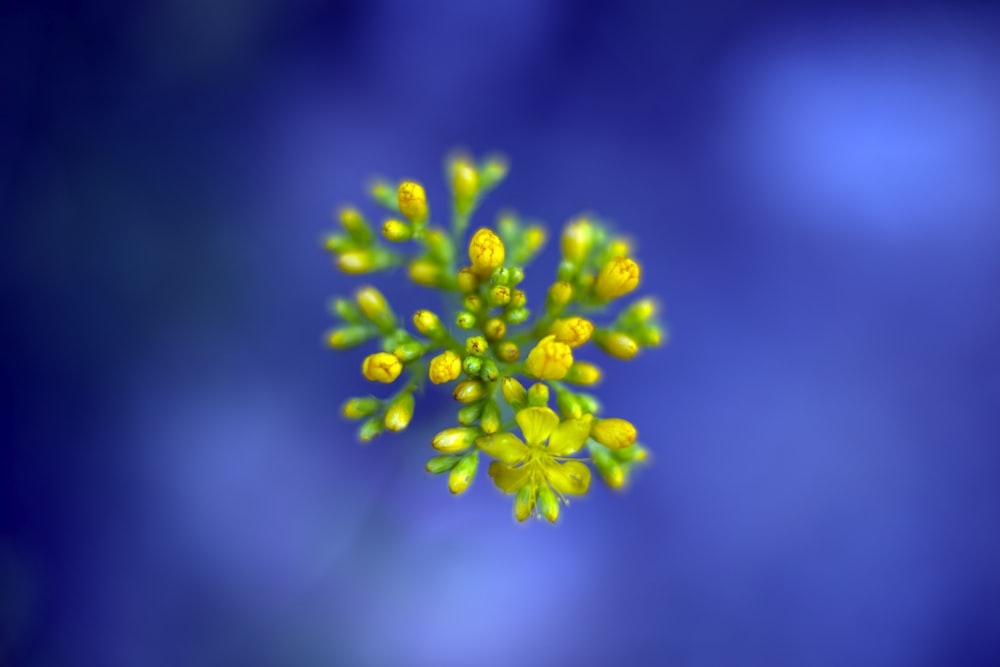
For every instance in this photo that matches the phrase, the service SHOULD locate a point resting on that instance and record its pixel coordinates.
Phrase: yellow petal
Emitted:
(569, 436)
(508, 479)
(506, 447)
(536, 424)
(570, 478)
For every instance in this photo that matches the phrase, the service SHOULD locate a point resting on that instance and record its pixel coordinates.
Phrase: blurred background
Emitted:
(815, 189)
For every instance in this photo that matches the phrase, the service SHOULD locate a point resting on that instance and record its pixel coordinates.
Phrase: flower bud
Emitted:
(583, 373)
(439, 244)
(619, 345)
(463, 473)
(472, 365)
(489, 371)
(508, 351)
(464, 180)
(356, 226)
(577, 237)
(647, 335)
(547, 503)
(494, 328)
(400, 412)
(493, 170)
(613, 433)
(408, 351)
(381, 367)
(588, 403)
(465, 320)
(412, 201)
(619, 248)
(427, 323)
(397, 231)
(638, 312)
(549, 360)
(425, 272)
(445, 367)
(356, 261)
(518, 299)
(500, 295)
(513, 392)
(440, 464)
(347, 311)
(517, 315)
(616, 278)
(357, 408)
(346, 337)
(468, 391)
(534, 239)
(524, 502)
(490, 420)
(486, 252)
(467, 280)
(468, 414)
(454, 439)
(384, 194)
(516, 275)
(375, 308)
(574, 331)
(569, 406)
(371, 429)
(560, 294)
(472, 302)
(337, 243)
(538, 395)
(476, 345)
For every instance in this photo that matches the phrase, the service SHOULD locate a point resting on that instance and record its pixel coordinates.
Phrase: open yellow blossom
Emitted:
(381, 367)
(445, 367)
(616, 278)
(412, 201)
(549, 360)
(541, 460)
(614, 433)
(574, 331)
(486, 252)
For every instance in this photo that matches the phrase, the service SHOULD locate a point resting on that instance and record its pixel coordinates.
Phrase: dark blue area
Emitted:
(815, 192)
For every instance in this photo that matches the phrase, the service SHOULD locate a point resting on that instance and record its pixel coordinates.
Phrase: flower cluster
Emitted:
(492, 340)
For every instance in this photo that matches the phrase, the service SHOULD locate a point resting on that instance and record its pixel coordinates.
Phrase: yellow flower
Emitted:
(614, 433)
(549, 360)
(574, 331)
(541, 460)
(445, 367)
(486, 252)
(412, 201)
(616, 278)
(381, 367)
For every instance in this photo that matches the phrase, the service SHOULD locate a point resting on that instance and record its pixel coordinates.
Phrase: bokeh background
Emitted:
(815, 188)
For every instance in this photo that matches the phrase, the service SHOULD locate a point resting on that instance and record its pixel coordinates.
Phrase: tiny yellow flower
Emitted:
(549, 360)
(412, 201)
(426, 273)
(616, 278)
(356, 261)
(381, 367)
(574, 331)
(486, 252)
(577, 237)
(614, 433)
(445, 367)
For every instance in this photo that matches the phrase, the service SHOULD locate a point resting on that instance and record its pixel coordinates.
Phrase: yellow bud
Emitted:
(614, 476)
(381, 367)
(356, 408)
(468, 391)
(412, 201)
(574, 331)
(427, 323)
(472, 302)
(396, 231)
(549, 360)
(373, 305)
(494, 328)
(518, 299)
(486, 252)
(467, 279)
(476, 345)
(500, 295)
(508, 351)
(445, 367)
(547, 503)
(524, 502)
(465, 180)
(619, 248)
(356, 261)
(454, 439)
(577, 237)
(538, 395)
(560, 293)
(463, 473)
(399, 414)
(348, 337)
(425, 273)
(583, 373)
(616, 278)
(513, 392)
(613, 433)
(534, 238)
(618, 345)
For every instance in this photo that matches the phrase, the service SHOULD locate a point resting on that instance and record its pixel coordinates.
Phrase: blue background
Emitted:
(816, 193)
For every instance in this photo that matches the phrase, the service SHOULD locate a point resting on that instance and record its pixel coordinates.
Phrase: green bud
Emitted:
(463, 473)
(513, 392)
(569, 406)
(356, 226)
(489, 371)
(547, 503)
(524, 502)
(648, 335)
(347, 311)
(492, 171)
(346, 337)
(470, 413)
(370, 429)
(501, 276)
(409, 351)
(538, 395)
(472, 365)
(631, 453)
(440, 246)
(588, 403)
(384, 194)
(440, 464)
(490, 421)
(517, 315)
(566, 271)
(465, 320)
(357, 408)
(337, 243)
(516, 275)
